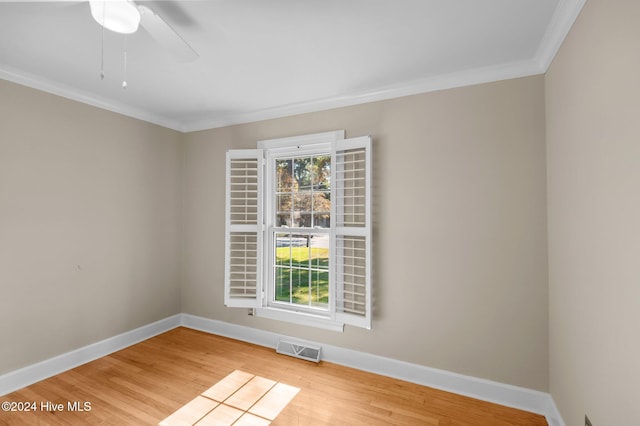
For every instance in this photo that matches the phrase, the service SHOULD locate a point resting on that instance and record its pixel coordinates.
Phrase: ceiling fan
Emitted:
(125, 16)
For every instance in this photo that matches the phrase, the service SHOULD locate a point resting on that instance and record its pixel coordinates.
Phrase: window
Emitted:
(298, 230)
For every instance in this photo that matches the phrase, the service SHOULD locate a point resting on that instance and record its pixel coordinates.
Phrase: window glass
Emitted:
(301, 269)
(303, 192)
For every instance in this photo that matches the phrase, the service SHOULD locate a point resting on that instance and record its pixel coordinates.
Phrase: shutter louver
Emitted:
(352, 236)
(243, 230)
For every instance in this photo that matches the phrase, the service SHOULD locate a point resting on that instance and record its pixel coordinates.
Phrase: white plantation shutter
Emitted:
(243, 230)
(351, 236)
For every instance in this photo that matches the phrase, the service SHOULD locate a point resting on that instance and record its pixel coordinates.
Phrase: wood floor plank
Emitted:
(228, 386)
(190, 413)
(148, 382)
(222, 415)
(274, 402)
(250, 393)
(248, 419)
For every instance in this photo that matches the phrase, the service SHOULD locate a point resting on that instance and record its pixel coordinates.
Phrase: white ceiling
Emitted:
(261, 59)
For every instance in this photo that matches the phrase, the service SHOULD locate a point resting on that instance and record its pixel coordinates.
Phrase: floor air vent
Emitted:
(299, 350)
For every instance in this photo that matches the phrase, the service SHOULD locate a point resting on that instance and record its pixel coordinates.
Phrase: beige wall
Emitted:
(593, 144)
(92, 229)
(460, 228)
(89, 225)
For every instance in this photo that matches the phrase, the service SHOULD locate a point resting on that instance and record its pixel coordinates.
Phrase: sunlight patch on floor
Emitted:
(240, 399)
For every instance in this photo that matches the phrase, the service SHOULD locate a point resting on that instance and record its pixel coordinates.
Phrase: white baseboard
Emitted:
(26, 376)
(553, 416)
(486, 390)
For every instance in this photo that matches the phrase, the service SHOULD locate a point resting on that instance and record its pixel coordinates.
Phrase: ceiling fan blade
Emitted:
(166, 36)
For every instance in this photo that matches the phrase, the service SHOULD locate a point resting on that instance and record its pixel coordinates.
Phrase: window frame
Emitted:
(265, 305)
(269, 217)
(320, 143)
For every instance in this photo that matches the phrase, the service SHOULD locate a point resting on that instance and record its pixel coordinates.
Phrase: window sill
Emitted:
(300, 318)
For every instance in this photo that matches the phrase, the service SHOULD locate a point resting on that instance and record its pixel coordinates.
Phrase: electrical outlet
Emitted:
(587, 422)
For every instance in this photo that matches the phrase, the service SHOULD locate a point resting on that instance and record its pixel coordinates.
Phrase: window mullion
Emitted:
(310, 275)
(290, 269)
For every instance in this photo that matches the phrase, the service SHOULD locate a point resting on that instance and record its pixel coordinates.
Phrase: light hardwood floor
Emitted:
(147, 382)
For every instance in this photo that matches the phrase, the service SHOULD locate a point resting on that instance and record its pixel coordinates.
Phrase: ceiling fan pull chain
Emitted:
(124, 78)
(102, 45)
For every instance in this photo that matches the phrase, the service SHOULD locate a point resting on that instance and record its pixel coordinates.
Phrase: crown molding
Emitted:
(563, 18)
(424, 85)
(561, 22)
(559, 26)
(35, 82)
